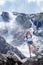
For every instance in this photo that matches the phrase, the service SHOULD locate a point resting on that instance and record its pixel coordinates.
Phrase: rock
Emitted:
(11, 61)
(4, 46)
(38, 61)
(5, 16)
(3, 59)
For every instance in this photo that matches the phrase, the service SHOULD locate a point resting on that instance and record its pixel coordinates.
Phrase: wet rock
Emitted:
(38, 61)
(5, 16)
(4, 60)
(10, 61)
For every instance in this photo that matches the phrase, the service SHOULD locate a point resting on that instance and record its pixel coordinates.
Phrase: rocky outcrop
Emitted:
(4, 60)
(5, 16)
(4, 46)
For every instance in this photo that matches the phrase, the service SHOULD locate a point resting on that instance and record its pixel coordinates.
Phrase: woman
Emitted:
(28, 38)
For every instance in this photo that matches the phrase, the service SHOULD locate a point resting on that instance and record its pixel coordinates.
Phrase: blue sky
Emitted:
(22, 6)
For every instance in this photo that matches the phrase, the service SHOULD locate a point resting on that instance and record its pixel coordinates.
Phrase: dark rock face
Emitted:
(4, 46)
(37, 20)
(5, 16)
(24, 21)
(34, 62)
(0, 18)
(10, 61)
(2, 60)
(38, 33)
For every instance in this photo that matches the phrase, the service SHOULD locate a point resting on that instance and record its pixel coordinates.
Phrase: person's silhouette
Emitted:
(28, 38)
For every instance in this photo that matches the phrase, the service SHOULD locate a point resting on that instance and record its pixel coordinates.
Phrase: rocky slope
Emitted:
(11, 61)
(4, 46)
